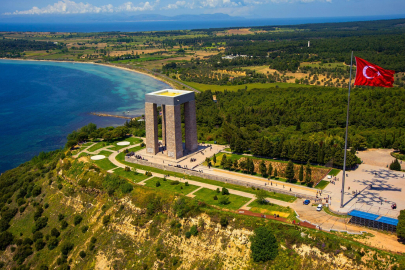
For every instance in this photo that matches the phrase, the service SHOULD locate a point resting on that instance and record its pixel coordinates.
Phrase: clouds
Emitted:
(208, 6)
(71, 7)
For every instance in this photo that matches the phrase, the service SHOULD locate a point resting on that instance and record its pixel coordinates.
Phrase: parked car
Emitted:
(319, 208)
(306, 202)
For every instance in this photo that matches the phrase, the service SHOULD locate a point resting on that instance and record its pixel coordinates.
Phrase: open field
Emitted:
(170, 185)
(207, 195)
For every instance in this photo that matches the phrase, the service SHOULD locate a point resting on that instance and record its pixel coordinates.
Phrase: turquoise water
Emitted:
(42, 102)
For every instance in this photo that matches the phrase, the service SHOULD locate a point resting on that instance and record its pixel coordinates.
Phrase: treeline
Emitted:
(13, 47)
(303, 123)
(92, 132)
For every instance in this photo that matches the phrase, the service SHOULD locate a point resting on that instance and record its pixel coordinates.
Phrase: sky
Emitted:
(243, 8)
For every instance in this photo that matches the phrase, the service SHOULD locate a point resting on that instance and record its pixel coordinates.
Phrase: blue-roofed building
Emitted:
(372, 220)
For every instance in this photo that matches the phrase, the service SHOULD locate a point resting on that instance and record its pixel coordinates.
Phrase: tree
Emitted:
(262, 168)
(301, 173)
(207, 159)
(224, 200)
(308, 177)
(223, 160)
(261, 196)
(214, 159)
(401, 225)
(269, 170)
(235, 164)
(225, 191)
(263, 245)
(395, 165)
(275, 173)
(77, 219)
(289, 171)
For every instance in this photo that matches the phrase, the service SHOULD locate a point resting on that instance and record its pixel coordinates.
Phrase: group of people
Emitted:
(193, 159)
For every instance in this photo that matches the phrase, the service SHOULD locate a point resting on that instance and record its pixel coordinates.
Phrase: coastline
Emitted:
(93, 63)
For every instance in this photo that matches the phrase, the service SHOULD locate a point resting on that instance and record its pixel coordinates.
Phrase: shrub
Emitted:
(22, 253)
(215, 197)
(82, 254)
(60, 186)
(27, 241)
(174, 182)
(61, 217)
(127, 169)
(225, 191)
(93, 240)
(38, 212)
(157, 184)
(186, 184)
(53, 243)
(20, 201)
(46, 205)
(6, 238)
(38, 235)
(63, 224)
(224, 222)
(263, 245)
(261, 196)
(395, 165)
(193, 230)
(85, 229)
(4, 225)
(36, 191)
(43, 267)
(55, 233)
(66, 248)
(218, 191)
(106, 220)
(224, 200)
(40, 224)
(77, 219)
(188, 234)
(39, 244)
(126, 188)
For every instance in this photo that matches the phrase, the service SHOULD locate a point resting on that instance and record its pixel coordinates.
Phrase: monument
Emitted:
(170, 101)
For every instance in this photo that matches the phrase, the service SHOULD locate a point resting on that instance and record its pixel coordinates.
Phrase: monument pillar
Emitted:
(173, 131)
(163, 125)
(151, 126)
(190, 126)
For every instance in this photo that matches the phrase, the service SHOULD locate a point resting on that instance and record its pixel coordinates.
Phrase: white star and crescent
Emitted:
(365, 72)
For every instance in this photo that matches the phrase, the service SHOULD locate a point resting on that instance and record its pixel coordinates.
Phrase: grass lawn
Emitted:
(326, 209)
(105, 153)
(132, 141)
(322, 184)
(105, 163)
(167, 185)
(271, 209)
(134, 177)
(121, 158)
(334, 172)
(97, 146)
(204, 87)
(207, 195)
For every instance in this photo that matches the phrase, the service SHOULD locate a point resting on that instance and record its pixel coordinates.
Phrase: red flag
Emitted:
(372, 75)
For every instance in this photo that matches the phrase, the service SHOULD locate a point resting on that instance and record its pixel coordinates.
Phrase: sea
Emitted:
(178, 25)
(42, 102)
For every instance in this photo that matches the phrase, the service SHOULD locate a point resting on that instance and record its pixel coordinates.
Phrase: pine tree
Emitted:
(289, 171)
(308, 178)
(214, 159)
(275, 173)
(301, 173)
(269, 170)
(235, 164)
(223, 160)
(262, 168)
(395, 165)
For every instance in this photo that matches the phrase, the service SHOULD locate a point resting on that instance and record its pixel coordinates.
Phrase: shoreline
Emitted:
(100, 64)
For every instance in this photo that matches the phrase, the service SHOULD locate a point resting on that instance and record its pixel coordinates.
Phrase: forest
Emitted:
(14, 48)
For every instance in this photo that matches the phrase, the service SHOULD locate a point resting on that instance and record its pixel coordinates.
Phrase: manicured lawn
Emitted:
(121, 158)
(134, 177)
(322, 184)
(105, 163)
(271, 209)
(105, 153)
(132, 140)
(167, 185)
(204, 87)
(207, 195)
(97, 146)
(334, 172)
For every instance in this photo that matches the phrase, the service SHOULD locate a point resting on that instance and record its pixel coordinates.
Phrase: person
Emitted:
(290, 189)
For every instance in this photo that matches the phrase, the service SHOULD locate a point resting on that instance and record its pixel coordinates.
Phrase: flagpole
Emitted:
(347, 127)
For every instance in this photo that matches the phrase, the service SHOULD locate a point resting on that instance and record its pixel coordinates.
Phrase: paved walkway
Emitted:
(305, 212)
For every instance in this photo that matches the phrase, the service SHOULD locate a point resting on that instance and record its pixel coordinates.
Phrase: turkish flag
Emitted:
(372, 75)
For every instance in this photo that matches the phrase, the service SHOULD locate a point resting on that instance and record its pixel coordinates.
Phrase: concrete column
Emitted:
(190, 126)
(173, 131)
(151, 125)
(163, 125)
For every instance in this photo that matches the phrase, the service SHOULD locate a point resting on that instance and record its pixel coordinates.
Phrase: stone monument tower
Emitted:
(171, 100)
